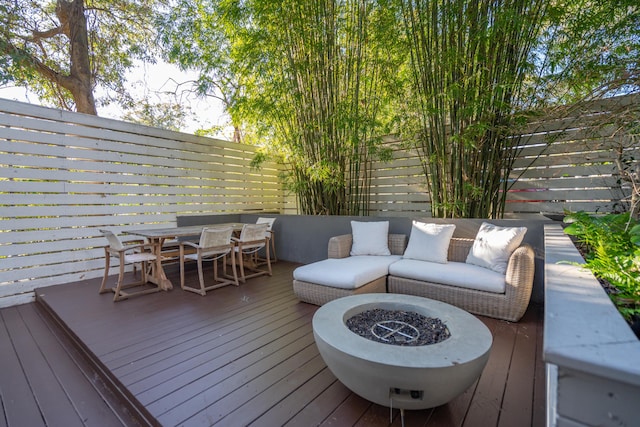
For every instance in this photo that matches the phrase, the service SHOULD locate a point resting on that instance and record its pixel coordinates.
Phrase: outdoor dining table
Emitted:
(157, 237)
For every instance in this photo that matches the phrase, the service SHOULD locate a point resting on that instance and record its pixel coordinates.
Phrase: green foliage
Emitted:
(469, 63)
(318, 81)
(36, 52)
(162, 115)
(611, 247)
(196, 35)
(311, 78)
(590, 49)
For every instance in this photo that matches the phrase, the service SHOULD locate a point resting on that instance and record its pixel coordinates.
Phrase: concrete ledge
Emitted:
(591, 349)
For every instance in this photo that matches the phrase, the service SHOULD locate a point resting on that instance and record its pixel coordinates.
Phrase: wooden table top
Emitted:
(172, 232)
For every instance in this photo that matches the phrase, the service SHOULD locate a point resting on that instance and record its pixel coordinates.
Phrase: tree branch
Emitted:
(24, 57)
(39, 35)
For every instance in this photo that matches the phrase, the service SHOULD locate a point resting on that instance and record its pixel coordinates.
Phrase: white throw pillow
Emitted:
(494, 245)
(370, 238)
(429, 242)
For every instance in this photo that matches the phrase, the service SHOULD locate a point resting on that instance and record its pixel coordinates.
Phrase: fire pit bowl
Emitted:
(404, 377)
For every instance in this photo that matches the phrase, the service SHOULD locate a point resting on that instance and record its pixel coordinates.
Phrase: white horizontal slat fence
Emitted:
(398, 187)
(65, 175)
(567, 159)
(563, 162)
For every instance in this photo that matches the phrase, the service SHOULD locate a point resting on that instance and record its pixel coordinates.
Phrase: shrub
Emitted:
(610, 245)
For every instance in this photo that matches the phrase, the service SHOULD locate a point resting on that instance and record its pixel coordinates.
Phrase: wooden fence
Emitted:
(65, 175)
(566, 161)
(567, 158)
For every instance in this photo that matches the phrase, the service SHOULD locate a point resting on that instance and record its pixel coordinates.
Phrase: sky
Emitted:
(157, 83)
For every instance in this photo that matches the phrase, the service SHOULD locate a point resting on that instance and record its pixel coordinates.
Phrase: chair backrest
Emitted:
(254, 232)
(215, 237)
(113, 240)
(268, 221)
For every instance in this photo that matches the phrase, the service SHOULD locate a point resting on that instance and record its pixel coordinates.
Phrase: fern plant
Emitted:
(611, 248)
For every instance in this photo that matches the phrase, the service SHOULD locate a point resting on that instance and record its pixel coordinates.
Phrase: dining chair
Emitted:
(271, 236)
(253, 237)
(138, 253)
(214, 244)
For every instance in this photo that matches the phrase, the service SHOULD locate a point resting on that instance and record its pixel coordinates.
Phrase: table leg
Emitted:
(158, 276)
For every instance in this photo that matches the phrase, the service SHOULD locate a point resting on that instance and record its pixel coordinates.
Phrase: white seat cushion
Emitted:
(458, 274)
(346, 273)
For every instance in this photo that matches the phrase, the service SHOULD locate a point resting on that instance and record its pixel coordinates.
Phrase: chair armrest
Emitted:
(250, 243)
(141, 246)
(340, 246)
(188, 243)
(134, 242)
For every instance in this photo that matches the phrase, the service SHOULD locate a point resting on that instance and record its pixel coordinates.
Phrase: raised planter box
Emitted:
(591, 353)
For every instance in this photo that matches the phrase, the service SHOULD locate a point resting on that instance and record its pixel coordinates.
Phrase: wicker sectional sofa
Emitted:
(470, 287)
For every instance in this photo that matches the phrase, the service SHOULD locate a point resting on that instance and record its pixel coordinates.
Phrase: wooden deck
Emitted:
(239, 356)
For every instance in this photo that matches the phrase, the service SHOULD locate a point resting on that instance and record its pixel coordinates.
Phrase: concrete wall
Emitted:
(304, 238)
(591, 353)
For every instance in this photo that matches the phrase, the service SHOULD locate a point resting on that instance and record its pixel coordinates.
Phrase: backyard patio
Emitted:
(523, 114)
(238, 356)
(247, 355)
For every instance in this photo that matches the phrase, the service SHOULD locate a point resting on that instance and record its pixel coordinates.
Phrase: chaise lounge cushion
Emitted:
(346, 273)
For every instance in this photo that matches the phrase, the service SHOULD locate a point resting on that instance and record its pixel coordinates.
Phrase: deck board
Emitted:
(349, 412)
(72, 380)
(539, 415)
(246, 356)
(18, 401)
(41, 378)
(58, 391)
(315, 412)
(485, 406)
(518, 393)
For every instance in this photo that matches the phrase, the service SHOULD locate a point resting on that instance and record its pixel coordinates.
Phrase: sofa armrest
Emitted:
(340, 246)
(519, 279)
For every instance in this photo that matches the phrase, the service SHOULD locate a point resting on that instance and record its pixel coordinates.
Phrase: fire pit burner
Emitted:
(398, 327)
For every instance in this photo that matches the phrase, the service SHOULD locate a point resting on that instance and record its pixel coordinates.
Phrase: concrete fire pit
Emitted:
(405, 377)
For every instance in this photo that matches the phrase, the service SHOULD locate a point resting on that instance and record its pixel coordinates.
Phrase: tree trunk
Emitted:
(237, 134)
(80, 80)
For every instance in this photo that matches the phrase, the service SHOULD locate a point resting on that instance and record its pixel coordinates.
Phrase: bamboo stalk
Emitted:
(468, 60)
(332, 72)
